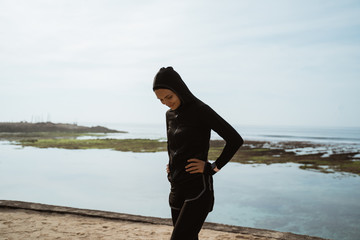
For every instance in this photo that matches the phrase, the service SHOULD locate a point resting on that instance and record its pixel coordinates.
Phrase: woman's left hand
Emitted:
(195, 166)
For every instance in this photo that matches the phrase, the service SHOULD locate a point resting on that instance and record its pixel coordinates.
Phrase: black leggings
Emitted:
(190, 207)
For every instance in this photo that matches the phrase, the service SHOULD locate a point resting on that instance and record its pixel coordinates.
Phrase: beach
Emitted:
(25, 220)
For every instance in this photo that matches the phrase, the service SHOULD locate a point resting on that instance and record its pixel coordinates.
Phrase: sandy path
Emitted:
(30, 221)
(27, 224)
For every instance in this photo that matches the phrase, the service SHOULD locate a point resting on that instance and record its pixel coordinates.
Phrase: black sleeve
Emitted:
(232, 138)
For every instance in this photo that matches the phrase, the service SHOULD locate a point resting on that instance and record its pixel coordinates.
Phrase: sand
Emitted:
(21, 220)
(25, 224)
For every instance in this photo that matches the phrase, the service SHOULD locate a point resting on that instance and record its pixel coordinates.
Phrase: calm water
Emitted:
(274, 133)
(279, 196)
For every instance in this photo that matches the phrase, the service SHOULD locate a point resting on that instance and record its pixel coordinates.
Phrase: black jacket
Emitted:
(189, 128)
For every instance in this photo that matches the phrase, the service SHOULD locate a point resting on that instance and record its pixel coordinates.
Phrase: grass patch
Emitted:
(248, 154)
(126, 145)
(252, 152)
(44, 135)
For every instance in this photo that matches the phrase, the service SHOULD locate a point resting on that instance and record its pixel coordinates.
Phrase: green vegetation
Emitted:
(126, 145)
(15, 131)
(16, 136)
(252, 152)
(22, 127)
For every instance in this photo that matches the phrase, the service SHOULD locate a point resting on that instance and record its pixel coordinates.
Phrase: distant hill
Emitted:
(11, 127)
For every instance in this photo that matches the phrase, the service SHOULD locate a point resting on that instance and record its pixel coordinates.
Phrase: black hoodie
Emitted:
(188, 130)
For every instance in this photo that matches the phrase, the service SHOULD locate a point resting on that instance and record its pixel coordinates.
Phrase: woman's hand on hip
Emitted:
(195, 166)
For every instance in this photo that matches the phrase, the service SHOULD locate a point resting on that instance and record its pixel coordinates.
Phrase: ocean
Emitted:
(250, 132)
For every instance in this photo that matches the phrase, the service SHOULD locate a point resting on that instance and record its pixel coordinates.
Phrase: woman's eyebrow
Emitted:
(167, 96)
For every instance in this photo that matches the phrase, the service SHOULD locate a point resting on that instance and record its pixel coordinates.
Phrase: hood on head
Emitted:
(168, 78)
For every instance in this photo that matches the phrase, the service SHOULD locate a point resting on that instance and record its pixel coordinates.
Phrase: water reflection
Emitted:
(282, 197)
(279, 196)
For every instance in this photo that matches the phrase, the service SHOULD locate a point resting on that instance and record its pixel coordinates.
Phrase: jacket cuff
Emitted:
(209, 168)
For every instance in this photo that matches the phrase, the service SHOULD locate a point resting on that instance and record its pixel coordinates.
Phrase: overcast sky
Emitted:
(283, 62)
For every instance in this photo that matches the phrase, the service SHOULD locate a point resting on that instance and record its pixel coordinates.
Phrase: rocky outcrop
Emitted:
(12, 127)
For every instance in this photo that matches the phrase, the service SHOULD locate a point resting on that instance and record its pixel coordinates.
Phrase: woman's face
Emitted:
(168, 97)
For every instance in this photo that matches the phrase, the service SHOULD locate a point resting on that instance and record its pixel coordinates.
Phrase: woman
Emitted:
(189, 122)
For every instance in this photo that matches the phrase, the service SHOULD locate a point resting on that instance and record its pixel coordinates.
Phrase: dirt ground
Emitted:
(22, 220)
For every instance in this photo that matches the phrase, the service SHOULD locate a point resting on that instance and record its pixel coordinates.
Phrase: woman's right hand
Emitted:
(167, 168)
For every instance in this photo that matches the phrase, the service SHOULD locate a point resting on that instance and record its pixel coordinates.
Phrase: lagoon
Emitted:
(279, 196)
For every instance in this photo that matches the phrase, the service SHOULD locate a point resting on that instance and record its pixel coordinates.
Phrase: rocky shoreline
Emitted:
(326, 158)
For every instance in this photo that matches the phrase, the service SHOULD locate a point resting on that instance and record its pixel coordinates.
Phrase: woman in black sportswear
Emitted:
(189, 122)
